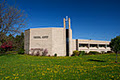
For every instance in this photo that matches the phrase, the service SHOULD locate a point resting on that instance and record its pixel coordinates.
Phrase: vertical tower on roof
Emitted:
(67, 22)
(68, 35)
(64, 23)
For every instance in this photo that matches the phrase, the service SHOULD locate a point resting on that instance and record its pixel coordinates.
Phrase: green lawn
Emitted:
(14, 66)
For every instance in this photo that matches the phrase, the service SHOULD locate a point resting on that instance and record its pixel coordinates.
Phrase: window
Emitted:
(83, 45)
(101, 45)
(93, 45)
(108, 45)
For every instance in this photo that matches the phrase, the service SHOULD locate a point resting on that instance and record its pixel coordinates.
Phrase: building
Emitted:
(59, 41)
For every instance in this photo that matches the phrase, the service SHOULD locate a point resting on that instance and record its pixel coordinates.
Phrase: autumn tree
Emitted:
(115, 45)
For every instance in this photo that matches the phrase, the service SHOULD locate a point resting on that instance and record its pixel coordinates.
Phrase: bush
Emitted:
(55, 54)
(38, 53)
(6, 46)
(81, 53)
(75, 53)
(11, 52)
(93, 52)
(2, 50)
(88, 53)
(109, 52)
(45, 52)
(103, 52)
(21, 51)
(48, 55)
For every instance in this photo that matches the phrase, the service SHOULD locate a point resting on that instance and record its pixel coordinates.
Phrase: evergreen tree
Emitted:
(115, 45)
(19, 41)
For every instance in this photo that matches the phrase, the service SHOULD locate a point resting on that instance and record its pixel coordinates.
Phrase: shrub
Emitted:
(75, 53)
(109, 52)
(48, 55)
(21, 51)
(45, 52)
(11, 52)
(2, 50)
(37, 54)
(81, 53)
(93, 52)
(88, 53)
(6, 46)
(103, 52)
(55, 54)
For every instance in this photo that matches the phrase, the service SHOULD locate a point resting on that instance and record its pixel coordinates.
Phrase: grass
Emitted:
(14, 66)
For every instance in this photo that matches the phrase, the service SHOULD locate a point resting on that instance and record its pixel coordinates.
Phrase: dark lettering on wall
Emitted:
(44, 36)
(39, 37)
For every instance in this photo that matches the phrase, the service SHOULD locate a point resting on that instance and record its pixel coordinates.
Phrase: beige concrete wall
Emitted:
(55, 43)
(93, 41)
(58, 41)
(43, 43)
(73, 45)
(27, 41)
(70, 42)
(98, 49)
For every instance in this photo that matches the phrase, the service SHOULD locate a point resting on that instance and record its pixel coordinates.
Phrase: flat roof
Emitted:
(89, 40)
(45, 28)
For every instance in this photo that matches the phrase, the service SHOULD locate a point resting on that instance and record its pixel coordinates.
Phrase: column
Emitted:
(98, 47)
(88, 47)
(105, 47)
(64, 23)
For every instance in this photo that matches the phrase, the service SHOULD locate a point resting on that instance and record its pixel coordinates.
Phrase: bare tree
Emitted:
(12, 19)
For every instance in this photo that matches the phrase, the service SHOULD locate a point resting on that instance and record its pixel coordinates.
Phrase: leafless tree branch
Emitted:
(12, 19)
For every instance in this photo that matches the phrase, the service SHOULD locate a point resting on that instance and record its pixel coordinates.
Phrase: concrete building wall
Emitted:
(54, 43)
(97, 45)
(27, 41)
(58, 42)
(70, 42)
(44, 40)
(70, 38)
(73, 45)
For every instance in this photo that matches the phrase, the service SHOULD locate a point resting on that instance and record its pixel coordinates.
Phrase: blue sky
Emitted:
(91, 19)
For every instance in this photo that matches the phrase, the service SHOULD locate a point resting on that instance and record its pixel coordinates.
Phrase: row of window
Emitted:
(93, 45)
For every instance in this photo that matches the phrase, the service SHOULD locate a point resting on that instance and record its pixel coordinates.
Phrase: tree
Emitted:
(13, 43)
(115, 45)
(11, 39)
(19, 42)
(12, 19)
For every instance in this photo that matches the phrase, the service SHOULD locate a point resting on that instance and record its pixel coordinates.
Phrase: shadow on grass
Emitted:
(96, 60)
(4, 54)
(8, 53)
